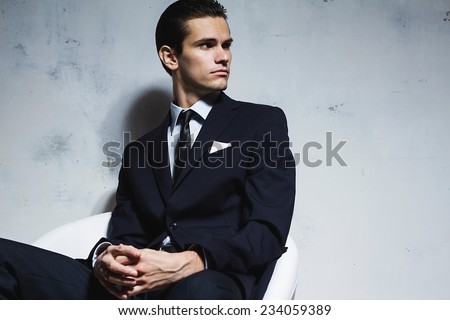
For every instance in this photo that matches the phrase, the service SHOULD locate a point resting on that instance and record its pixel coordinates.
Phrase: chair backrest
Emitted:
(77, 238)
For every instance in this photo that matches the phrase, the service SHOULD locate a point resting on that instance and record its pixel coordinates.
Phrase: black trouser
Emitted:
(28, 272)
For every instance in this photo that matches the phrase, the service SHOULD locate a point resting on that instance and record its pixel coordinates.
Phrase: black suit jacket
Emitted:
(236, 203)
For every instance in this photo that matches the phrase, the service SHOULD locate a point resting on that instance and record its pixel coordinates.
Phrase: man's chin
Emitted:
(222, 86)
(216, 89)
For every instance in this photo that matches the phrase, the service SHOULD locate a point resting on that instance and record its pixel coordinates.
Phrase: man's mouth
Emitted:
(222, 72)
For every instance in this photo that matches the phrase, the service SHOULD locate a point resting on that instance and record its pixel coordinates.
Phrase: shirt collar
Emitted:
(201, 107)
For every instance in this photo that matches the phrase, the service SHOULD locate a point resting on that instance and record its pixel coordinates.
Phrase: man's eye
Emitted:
(206, 46)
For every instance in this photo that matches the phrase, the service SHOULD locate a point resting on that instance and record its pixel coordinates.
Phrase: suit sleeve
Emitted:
(125, 225)
(269, 197)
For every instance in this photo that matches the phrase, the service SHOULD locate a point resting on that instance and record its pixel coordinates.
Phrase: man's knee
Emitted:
(206, 285)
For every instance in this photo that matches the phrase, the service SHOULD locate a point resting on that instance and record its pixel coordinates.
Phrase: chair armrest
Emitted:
(284, 279)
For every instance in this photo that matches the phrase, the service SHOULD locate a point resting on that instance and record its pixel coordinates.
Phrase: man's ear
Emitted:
(168, 57)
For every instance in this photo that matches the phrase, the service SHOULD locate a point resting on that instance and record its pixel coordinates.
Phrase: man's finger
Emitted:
(113, 265)
(125, 250)
(118, 279)
(114, 290)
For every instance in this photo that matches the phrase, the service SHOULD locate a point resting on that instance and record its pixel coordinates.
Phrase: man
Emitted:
(204, 201)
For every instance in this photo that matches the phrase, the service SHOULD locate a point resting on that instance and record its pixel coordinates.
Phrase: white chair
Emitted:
(76, 239)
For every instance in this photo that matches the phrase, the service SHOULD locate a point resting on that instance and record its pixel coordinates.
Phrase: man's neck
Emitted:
(209, 98)
(185, 99)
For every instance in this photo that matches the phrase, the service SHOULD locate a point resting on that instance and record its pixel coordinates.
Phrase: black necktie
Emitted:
(184, 142)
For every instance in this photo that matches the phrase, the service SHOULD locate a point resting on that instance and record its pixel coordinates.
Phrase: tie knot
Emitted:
(185, 116)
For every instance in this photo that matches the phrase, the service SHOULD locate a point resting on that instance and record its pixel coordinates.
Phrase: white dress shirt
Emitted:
(202, 109)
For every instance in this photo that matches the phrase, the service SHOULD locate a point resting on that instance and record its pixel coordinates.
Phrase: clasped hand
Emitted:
(126, 271)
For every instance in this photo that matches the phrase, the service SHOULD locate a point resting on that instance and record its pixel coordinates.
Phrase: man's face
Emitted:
(204, 64)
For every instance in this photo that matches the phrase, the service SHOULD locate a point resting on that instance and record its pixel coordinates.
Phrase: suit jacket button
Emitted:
(173, 226)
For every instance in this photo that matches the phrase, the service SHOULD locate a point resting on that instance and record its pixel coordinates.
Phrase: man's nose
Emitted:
(223, 56)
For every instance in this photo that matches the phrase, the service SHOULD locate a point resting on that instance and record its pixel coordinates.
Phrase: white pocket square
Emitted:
(217, 146)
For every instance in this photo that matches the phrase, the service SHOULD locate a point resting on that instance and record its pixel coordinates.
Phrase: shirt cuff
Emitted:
(98, 251)
(201, 252)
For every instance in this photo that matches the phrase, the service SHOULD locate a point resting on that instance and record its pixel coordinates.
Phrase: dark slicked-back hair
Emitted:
(172, 29)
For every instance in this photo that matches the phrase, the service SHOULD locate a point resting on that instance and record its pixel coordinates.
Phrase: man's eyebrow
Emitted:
(205, 40)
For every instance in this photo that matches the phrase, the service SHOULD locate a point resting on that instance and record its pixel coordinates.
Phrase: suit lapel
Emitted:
(159, 159)
(218, 119)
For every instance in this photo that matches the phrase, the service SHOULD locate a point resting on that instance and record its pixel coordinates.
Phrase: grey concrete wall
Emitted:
(75, 75)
